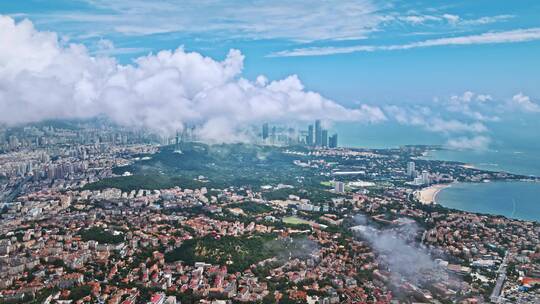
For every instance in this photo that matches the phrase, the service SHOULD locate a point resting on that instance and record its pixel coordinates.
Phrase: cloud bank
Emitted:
(472, 105)
(478, 143)
(40, 78)
(425, 117)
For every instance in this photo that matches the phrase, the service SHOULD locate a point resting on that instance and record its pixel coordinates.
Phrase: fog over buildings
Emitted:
(396, 251)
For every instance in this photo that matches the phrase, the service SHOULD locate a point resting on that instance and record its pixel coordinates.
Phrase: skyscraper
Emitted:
(411, 169)
(318, 133)
(309, 138)
(265, 132)
(324, 138)
(333, 141)
(426, 178)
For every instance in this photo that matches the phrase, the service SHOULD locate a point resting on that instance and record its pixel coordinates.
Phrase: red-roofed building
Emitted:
(157, 298)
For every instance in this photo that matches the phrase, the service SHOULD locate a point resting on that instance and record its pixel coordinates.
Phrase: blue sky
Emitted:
(352, 51)
(460, 73)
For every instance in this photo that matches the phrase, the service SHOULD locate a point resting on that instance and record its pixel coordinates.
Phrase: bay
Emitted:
(518, 200)
(515, 148)
(513, 161)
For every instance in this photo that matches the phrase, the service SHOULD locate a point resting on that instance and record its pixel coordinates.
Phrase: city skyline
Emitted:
(313, 136)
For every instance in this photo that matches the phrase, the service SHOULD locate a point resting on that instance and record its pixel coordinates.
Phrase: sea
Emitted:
(514, 148)
(511, 199)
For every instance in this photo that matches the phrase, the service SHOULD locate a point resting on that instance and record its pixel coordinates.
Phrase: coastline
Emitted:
(515, 199)
(429, 194)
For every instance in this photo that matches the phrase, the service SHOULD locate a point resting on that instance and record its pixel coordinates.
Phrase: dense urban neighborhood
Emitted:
(106, 215)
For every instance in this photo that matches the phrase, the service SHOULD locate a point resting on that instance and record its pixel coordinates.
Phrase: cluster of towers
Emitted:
(314, 136)
(319, 137)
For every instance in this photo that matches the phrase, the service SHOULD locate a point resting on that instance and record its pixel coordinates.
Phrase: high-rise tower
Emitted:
(411, 171)
(265, 131)
(318, 133)
(324, 138)
(309, 138)
(333, 141)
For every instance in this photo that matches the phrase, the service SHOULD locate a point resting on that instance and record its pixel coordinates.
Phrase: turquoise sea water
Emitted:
(513, 161)
(518, 200)
(515, 148)
(514, 145)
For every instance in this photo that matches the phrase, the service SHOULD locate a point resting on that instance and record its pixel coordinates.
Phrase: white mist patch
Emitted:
(402, 259)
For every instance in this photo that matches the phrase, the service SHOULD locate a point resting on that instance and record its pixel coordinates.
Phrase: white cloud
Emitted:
(471, 105)
(431, 121)
(463, 118)
(107, 47)
(304, 20)
(520, 35)
(105, 44)
(484, 97)
(487, 20)
(42, 79)
(453, 19)
(372, 113)
(455, 126)
(419, 19)
(465, 98)
(485, 108)
(469, 98)
(469, 143)
(524, 103)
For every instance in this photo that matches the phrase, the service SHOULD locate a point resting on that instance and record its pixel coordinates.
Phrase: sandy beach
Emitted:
(428, 195)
